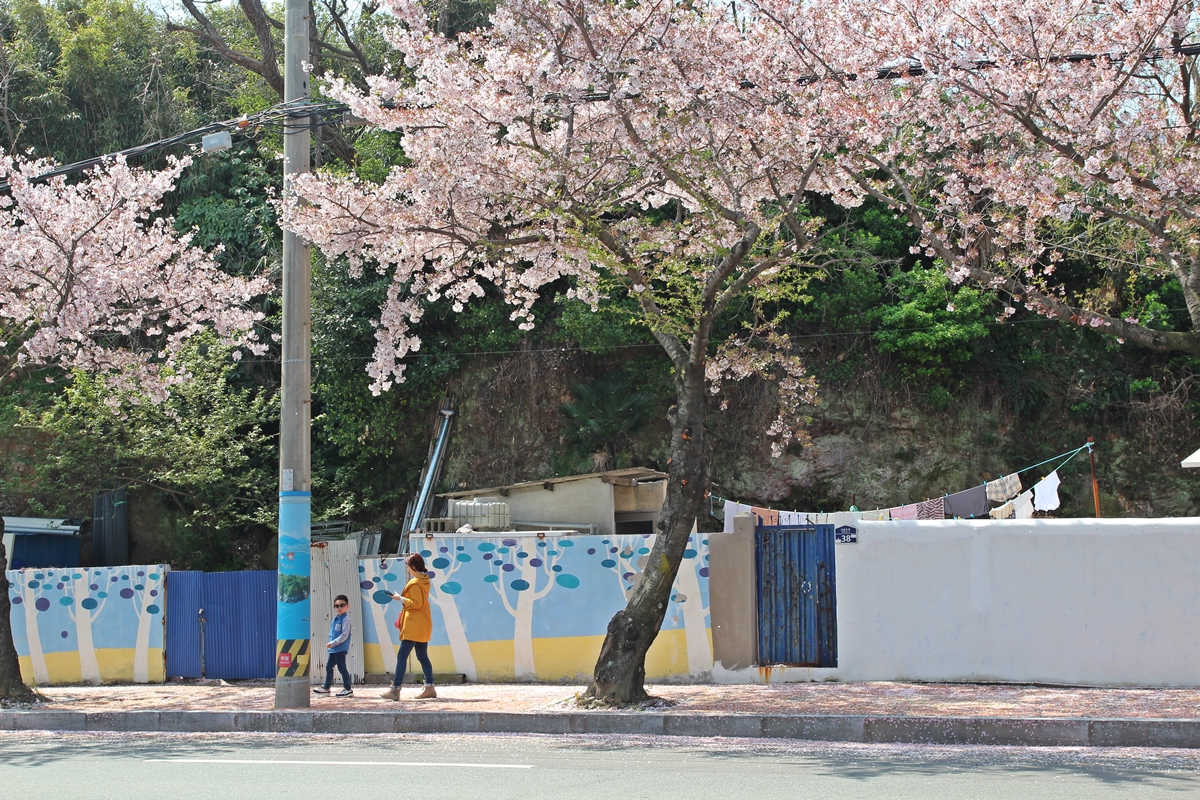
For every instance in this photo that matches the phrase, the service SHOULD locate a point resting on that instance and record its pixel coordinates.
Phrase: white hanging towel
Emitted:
(793, 518)
(732, 509)
(1045, 493)
(1023, 505)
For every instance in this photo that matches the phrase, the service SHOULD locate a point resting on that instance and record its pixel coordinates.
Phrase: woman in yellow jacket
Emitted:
(416, 627)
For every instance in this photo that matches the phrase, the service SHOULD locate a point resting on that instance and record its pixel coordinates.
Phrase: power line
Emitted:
(277, 115)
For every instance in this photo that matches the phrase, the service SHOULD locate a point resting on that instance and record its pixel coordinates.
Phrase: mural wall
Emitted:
(513, 606)
(91, 625)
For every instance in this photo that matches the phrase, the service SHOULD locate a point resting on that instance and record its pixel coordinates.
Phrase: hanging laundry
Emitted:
(1003, 512)
(1045, 493)
(878, 515)
(766, 516)
(904, 512)
(1004, 489)
(1023, 505)
(732, 509)
(969, 504)
(932, 509)
(793, 518)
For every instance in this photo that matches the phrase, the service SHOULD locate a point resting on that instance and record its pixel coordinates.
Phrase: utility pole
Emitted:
(292, 632)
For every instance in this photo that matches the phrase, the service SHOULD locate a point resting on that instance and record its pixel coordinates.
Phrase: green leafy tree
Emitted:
(207, 451)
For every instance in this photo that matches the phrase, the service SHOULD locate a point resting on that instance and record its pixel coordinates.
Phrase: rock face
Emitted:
(868, 446)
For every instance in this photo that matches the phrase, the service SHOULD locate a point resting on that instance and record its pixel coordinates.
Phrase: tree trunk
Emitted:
(620, 672)
(11, 687)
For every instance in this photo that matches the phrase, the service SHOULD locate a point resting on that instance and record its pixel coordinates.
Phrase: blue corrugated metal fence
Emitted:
(185, 598)
(45, 550)
(221, 624)
(797, 601)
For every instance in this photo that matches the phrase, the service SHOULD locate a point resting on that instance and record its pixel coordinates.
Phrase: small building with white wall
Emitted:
(616, 502)
(1103, 602)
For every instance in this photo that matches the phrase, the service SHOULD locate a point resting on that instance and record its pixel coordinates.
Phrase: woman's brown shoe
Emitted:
(391, 694)
(427, 692)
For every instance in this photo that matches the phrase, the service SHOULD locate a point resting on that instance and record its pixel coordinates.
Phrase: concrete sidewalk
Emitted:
(865, 712)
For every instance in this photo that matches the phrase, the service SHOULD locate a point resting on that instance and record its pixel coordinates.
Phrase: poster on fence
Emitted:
(90, 625)
(519, 606)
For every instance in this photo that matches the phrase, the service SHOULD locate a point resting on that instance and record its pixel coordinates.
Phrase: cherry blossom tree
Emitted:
(992, 126)
(93, 278)
(607, 145)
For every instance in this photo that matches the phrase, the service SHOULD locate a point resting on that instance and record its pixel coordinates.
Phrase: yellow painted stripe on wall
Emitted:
(116, 666)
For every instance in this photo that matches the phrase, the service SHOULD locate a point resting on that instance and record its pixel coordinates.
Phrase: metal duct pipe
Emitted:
(431, 473)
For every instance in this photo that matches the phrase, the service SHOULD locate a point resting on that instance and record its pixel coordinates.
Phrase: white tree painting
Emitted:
(688, 598)
(449, 559)
(626, 557)
(529, 567)
(144, 594)
(374, 579)
(83, 610)
(32, 600)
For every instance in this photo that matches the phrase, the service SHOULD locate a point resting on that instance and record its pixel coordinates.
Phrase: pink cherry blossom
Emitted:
(92, 278)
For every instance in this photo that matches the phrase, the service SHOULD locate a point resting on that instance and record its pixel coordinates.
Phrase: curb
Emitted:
(1023, 732)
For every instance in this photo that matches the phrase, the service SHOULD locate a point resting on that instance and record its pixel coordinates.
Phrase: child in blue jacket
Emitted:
(338, 647)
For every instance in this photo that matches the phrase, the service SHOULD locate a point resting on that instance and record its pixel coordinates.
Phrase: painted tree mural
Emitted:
(450, 557)
(83, 611)
(687, 596)
(32, 603)
(376, 580)
(626, 557)
(143, 592)
(529, 569)
(87, 612)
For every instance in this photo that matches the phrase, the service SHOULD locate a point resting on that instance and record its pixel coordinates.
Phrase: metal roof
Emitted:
(626, 477)
(64, 527)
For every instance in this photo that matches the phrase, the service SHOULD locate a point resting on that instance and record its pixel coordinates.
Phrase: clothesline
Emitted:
(1066, 456)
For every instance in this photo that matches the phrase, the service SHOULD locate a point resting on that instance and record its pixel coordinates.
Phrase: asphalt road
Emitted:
(268, 766)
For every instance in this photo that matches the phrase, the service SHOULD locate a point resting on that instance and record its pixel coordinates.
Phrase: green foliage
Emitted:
(616, 323)
(933, 326)
(226, 199)
(601, 422)
(85, 77)
(207, 451)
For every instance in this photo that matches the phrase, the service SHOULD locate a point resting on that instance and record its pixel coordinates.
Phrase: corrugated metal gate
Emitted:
(221, 624)
(797, 601)
(185, 599)
(334, 572)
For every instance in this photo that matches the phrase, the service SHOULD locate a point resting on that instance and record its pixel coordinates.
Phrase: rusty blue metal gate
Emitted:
(797, 599)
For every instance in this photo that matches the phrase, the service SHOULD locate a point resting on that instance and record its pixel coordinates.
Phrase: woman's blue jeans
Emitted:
(407, 646)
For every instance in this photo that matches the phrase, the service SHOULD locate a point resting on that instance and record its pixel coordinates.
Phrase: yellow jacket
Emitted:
(416, 620)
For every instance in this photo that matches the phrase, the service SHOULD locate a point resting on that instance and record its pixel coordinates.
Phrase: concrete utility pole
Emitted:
(292, 657)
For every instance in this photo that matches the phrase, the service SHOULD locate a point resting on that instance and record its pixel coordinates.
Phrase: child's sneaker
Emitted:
(345, 693)
(321, 689)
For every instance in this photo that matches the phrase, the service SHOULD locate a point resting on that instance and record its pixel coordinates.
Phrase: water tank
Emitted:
(481, 513)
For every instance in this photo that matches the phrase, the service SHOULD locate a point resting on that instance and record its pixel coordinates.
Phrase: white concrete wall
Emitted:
(583, 501)
(1073, 601)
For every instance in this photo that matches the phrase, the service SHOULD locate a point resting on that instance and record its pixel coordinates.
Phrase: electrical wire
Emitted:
(277, 116)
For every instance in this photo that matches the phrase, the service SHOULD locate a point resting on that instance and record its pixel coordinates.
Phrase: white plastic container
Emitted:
(482, 514)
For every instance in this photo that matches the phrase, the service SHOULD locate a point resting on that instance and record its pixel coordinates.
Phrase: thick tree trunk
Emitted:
(11, 687)
(620, 672)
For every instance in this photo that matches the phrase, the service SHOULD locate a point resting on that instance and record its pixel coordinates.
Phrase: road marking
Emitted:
(338, 763)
